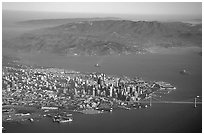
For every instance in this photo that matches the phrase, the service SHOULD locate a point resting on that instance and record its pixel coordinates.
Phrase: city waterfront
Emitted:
(158, 66)
(174, 117)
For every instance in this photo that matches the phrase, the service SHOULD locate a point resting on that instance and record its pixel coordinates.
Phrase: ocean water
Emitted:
(171, 118)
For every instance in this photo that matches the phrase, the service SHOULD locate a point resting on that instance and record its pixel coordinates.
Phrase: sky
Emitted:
(155, 8)
(146, 11)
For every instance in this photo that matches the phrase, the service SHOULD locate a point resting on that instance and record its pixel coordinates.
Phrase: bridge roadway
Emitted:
(171, 102)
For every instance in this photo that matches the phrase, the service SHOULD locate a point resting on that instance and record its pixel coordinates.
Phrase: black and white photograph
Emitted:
(101, 67)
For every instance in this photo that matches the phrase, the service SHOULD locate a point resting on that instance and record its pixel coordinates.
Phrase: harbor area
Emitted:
(32, 93)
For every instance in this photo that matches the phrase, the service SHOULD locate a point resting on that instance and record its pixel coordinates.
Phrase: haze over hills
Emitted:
(105, 36)
(52, 22)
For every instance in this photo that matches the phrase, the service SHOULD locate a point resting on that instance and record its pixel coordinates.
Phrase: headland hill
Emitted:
(101, 36)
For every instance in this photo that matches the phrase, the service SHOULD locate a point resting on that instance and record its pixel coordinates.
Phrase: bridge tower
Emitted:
(195, 101)
(150, 101)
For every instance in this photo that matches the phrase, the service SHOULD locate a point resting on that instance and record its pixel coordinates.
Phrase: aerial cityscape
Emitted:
(74, 71)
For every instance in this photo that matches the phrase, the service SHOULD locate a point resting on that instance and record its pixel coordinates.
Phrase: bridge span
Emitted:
(171, 102)
(154, 100)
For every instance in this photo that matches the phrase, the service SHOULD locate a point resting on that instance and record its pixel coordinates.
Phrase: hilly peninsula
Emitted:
(107, 37)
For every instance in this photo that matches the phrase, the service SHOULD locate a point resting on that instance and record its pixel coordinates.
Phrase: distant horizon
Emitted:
(19, 15)
(150, 11)
(153, 8)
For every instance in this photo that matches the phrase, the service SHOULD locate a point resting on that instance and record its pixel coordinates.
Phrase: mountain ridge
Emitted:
(105, 37)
